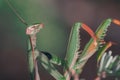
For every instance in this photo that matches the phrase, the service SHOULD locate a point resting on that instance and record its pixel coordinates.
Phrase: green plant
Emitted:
(109, 66)
(75, 59)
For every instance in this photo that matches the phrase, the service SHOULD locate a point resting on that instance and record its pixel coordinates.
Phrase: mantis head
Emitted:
(34, 29)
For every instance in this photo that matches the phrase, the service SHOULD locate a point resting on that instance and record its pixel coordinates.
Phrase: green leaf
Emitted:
(91, 47)
(73, 44)
(102, 50)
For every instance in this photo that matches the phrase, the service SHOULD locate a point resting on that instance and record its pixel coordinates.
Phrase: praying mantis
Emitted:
(75, 59)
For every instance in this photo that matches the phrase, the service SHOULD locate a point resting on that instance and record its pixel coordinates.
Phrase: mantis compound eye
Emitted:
(34, 29)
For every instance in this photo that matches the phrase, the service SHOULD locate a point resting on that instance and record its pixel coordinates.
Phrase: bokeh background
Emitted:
(58, 17)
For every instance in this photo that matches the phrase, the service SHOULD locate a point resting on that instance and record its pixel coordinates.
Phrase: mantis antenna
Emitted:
(16, 13)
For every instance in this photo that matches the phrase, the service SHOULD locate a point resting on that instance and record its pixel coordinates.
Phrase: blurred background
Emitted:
(58, 17)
